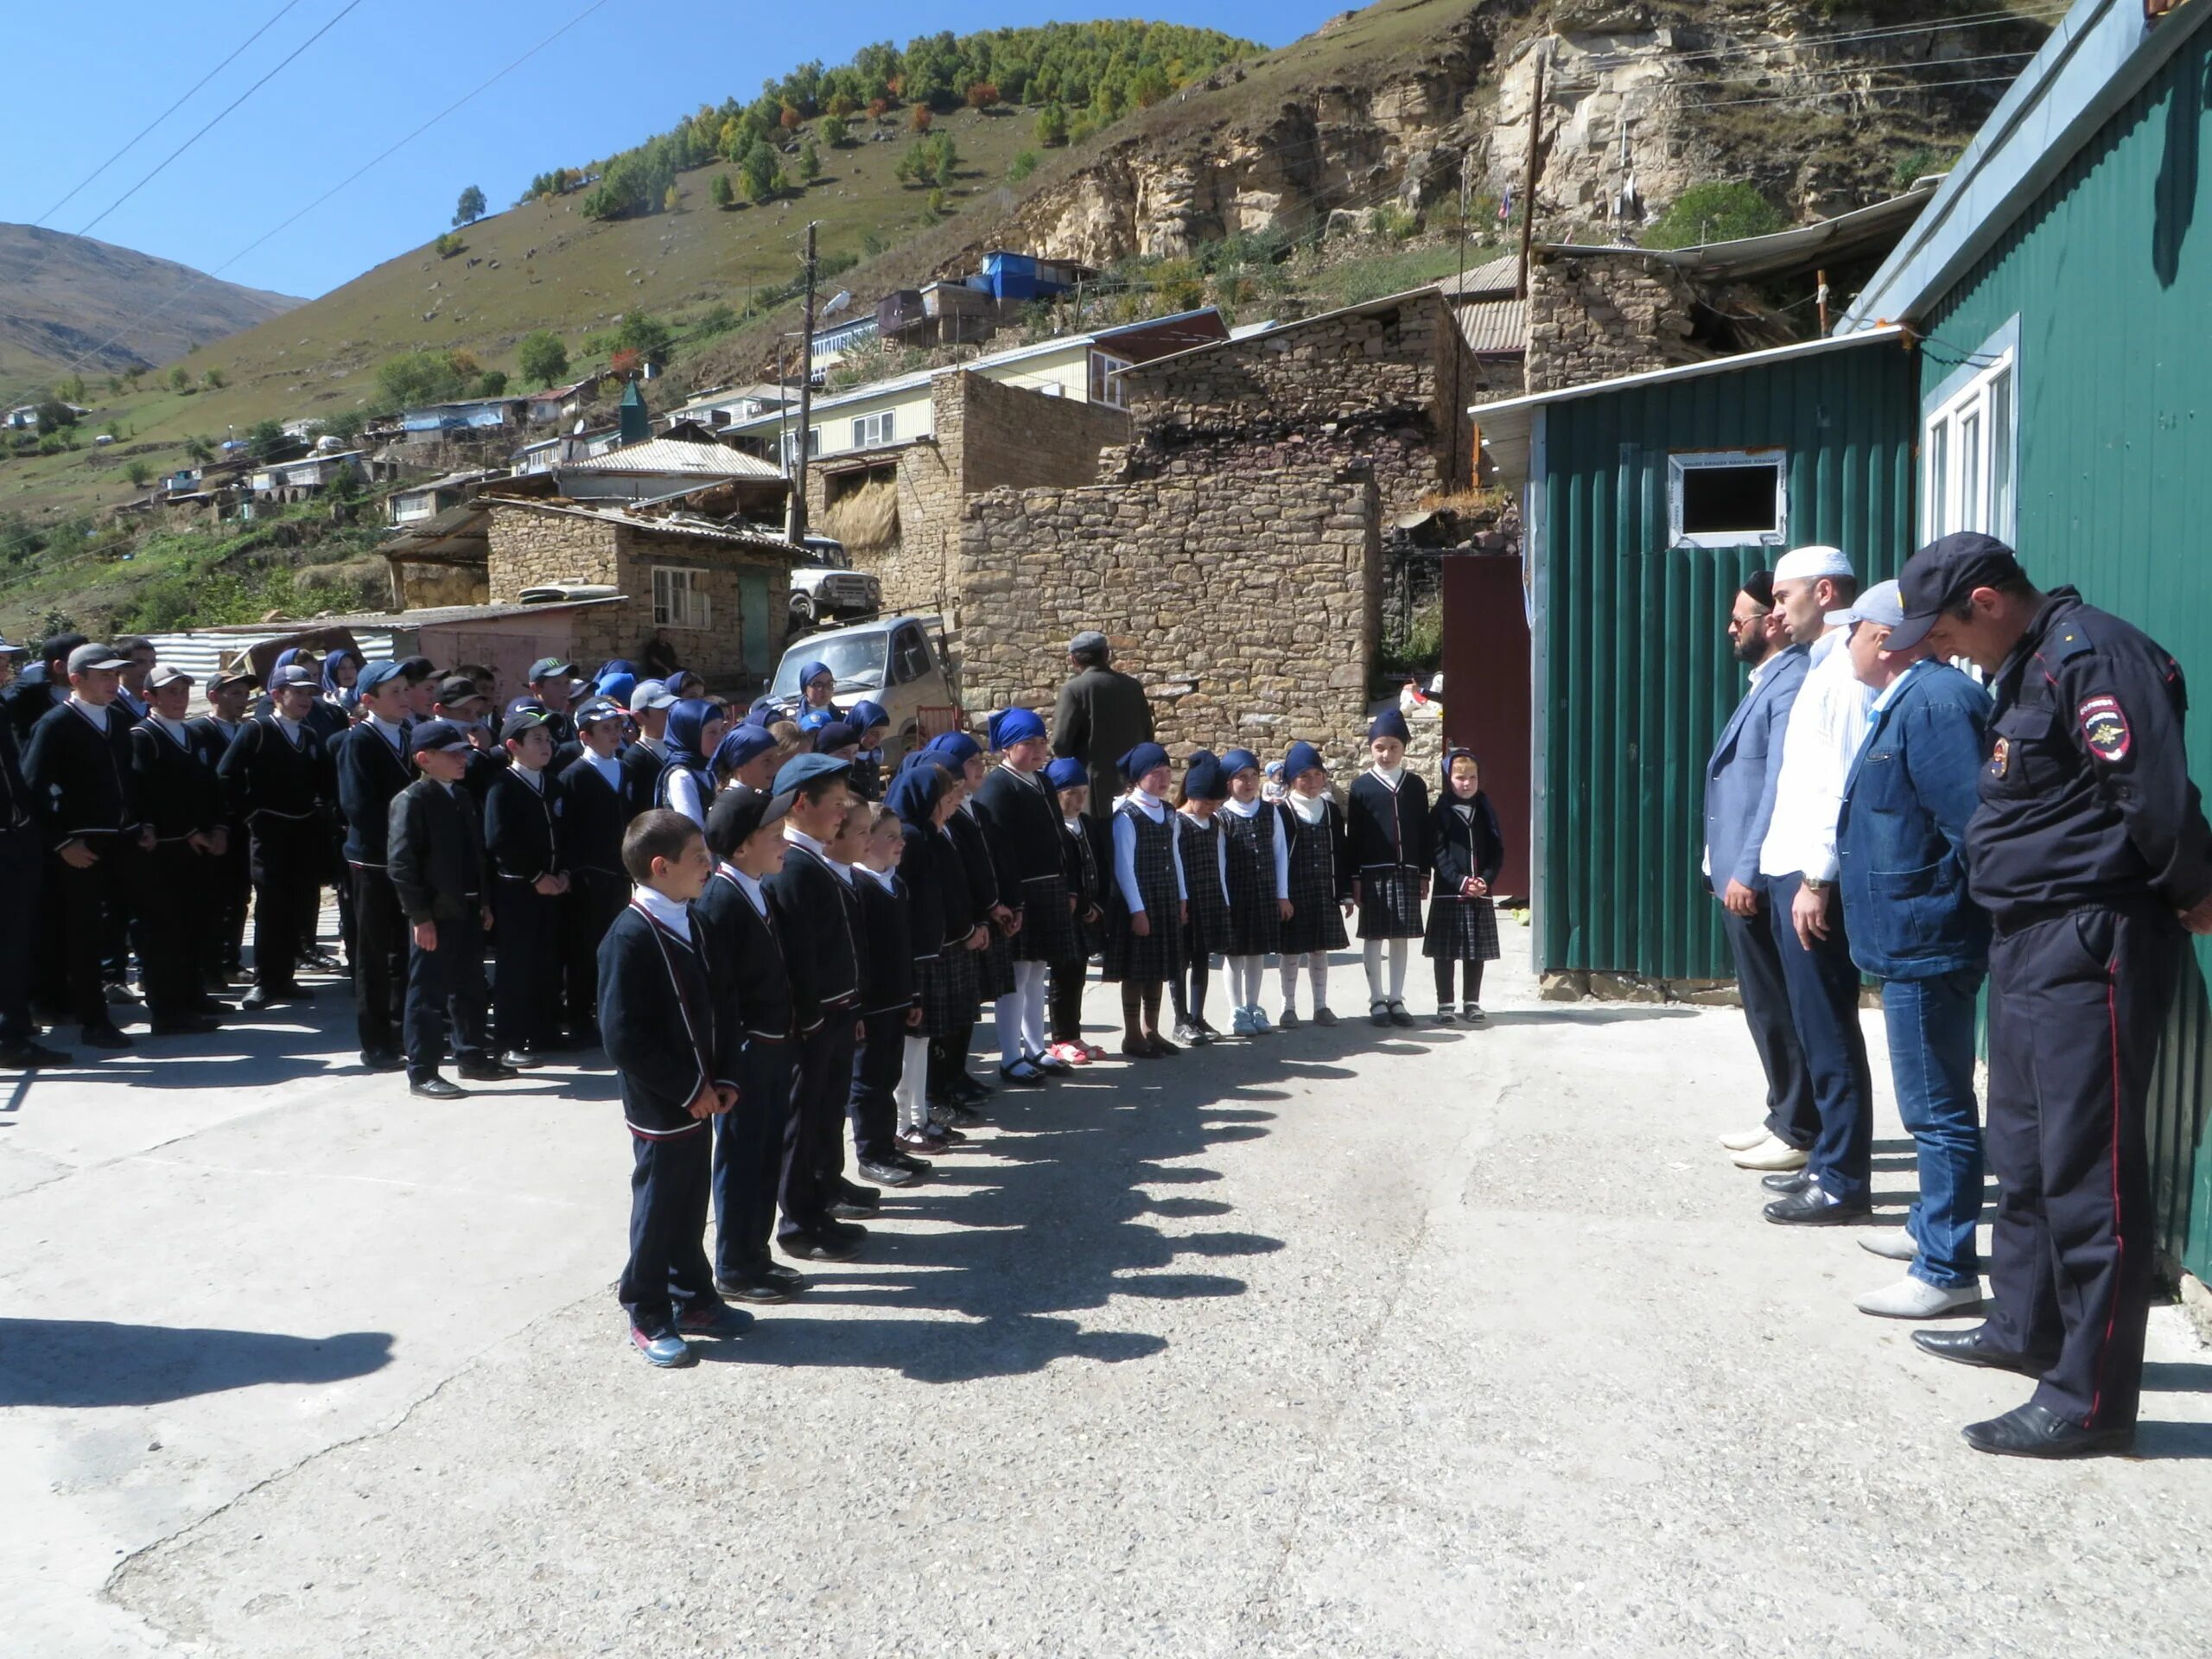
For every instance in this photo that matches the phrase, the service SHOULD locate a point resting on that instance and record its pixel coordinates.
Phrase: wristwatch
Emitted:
(1814, 886)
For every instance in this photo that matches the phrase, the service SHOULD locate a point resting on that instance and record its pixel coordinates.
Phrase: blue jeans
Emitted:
(1930, 1024)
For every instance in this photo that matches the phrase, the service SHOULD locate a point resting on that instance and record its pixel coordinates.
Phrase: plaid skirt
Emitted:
(994, 966)
(947, 984)
(1389, 902)
(1048, 928)
(1254, 926)
(1461, 929)
(1317, 922)
(1151, 960)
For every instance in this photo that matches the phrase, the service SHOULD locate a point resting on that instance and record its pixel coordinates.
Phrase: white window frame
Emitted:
(1969, 445)
(1683, 461)
(873, 431)
(680, 598)
(1107, 385)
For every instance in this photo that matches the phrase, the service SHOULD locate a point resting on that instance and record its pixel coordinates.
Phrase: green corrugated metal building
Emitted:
(2035, 360)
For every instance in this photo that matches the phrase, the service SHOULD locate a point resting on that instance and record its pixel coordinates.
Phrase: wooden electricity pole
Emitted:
(1528, 183)
(797, 518)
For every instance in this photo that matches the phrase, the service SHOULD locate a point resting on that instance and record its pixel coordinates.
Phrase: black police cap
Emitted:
(1939, 577)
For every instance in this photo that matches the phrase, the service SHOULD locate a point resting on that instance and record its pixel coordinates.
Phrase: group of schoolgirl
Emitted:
(812, 959)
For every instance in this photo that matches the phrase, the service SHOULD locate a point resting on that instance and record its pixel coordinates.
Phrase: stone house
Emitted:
(719, 594)
(1232, 550)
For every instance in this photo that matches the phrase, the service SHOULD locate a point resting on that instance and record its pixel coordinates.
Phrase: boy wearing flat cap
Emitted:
(522, 835)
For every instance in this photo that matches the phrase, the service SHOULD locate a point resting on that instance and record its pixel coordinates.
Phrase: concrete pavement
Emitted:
(1428, 1342)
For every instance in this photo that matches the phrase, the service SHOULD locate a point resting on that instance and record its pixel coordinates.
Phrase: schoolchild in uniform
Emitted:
(598, 800)
(745, 831)
(817, 696)
(23, 879)
(649, 706)
(1470, 850)
(809, 902)
(676, 1048)
(181, 801)
(1069, 780)
(280, 779)
(890, 1011)
(686, 783)
(1320, 883)
(78, 767)
(873, 725)
(337, 695)
(1020, 817)
(1388, 822)
(372, 767)
(522, 835)
(995, 973)
(840, 741)
(746, 755)
(951, 1020)
(1256, 854)
(1206, 872)
(923, 796)
(1147, 906)
(433, 849)
(228, 874)
(553, 683)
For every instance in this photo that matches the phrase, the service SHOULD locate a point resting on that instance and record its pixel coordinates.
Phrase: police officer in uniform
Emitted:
(2091, 853)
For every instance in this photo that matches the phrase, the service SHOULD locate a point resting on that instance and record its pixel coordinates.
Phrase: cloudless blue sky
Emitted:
(83, 77)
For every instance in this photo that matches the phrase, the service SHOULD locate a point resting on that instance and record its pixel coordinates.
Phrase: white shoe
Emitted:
(1745, 1140)
(1909, 1298)
(1894, 1247)
(1773, 1152)
(1240, 1023)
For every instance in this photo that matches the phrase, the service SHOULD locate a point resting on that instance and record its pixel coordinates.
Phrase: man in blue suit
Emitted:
(1900, 842)
(1740, 782)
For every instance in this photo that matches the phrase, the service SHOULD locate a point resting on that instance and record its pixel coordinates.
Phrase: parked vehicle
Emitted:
(892, 660)
(830, 587)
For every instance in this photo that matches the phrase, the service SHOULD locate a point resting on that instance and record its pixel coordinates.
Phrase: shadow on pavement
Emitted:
(1600, 1014)
(92, 1362)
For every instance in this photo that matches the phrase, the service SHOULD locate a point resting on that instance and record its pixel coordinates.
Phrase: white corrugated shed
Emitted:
(201, 654)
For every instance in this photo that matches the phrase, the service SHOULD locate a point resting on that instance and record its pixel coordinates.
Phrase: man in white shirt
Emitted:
(1798, 865)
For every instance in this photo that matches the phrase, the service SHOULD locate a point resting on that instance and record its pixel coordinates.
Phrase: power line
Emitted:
(165, 114)
(351, 5)
(1858, 92)
(1978, 20)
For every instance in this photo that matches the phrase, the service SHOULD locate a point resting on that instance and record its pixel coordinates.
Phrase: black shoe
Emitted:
(523, 1060)
(437, 1087)
(816, 1247)
(270, 996)
(912, 1164)
(888, 1172)
(784, 1275)
(1138, 1048)
(844, 1210)
(1814, 1208)
(2030, 1431)
(851, 1231)
(120, 994)
(1973, 1347)
(323, 962)
(1162, 1048)
(1400, 1017)
(381, 1060)
(26, 1056)
(1790, 1180)
(868, 1198)
(489, 1071)
(965, 1088)
(184, 1025)
(762, 1288)
(104, 1037)
(1378, 1014)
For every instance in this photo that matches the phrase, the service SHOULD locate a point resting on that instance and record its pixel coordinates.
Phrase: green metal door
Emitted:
(752, 606)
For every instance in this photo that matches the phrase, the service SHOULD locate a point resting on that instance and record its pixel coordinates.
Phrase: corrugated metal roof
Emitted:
(202, 651)
(1500, 274)
(1799, 248)
(674, 455)
(1494, 326)
(665, 525)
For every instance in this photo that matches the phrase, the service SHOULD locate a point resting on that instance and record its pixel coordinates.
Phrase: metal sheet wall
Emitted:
(1635, 679)
(2109, 272)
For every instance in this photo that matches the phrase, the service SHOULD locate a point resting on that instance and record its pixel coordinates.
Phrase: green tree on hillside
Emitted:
(53, 415)
(265, 440)
(448, 243)
(542, 358)
(199, 451)
(832, 131)
(470, 209)
(180, 379)
(1714, 212)
(809, 162)
(761, 174)
(1052, 126)
(721, 191)
(139, 473)
(214, 380)
(413, 378)
(648, 336)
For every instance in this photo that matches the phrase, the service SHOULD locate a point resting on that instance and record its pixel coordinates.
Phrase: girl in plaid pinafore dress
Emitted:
(1320, 882)
(1389, 824)
(1206, 872)
(1462, 917)
(1020, 817)
(1144, 914)
(1256, 851)
(1079, 869)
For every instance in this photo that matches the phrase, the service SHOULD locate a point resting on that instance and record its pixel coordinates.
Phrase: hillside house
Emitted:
(24, 417)
(668, 466)
(559, 404)
(464, 418)
(419, 503)
(728, 405)
(284, 483)
(832, 346)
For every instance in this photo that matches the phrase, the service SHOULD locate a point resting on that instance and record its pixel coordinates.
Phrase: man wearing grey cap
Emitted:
(1102, 715)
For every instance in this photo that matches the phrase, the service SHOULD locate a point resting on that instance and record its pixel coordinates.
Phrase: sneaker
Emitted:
(719, 1320)
(664, 1347)
(1323, 1017)
(1473, 1014)
(956, 1116)
(1205, 1029)
(942, 1138)
(911, 1163)
(1188, 1034)
(1240, 1023)
(886, 1173)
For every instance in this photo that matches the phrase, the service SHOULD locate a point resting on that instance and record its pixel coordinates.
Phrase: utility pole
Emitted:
(1528, 183)
(797, 520)
(1821, 293)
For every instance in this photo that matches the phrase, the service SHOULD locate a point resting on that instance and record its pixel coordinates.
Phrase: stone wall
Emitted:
(420, 585)
(530, 547)
(1593, 319)
(1245, 602)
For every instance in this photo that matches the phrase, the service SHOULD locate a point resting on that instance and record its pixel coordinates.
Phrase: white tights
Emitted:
(1317, 973)
(1401, 953)
(1245, 974)
(1020, 1015)
(913, 1091)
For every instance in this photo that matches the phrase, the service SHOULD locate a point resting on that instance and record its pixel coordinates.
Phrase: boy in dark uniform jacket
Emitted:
(522, 835)
(79, 769)
(1070, 781)
(1388, 828)
(745, 832)
(280, 781)
(674, 1043)
(433, 851)
(995, 973)
(372, 767)
(888, 1010)
(810, 903)
(598, 801)
(1021, 820)
(230, 872)
(183, 803)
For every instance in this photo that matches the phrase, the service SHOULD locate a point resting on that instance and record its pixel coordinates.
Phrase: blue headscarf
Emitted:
(1067, 773)
(687, 729)
(1204, 778)
(608, 669)
(917, 792)
(864, 715)
(925, 757)
(1300, 758)
(834, 734)
(738, 744)
(1444, 771)
(959, 746)
(1014, 726)
(330, 666)
(1390, 723)
(617, 686)
(810, 671)
(1139, 760)
(1238, 760)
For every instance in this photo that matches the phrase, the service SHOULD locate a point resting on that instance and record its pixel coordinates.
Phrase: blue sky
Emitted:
(84, 78)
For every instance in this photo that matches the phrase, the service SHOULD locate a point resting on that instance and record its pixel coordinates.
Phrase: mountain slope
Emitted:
(62, 296)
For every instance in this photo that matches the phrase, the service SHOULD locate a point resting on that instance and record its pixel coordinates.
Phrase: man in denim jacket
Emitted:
(1900, 844)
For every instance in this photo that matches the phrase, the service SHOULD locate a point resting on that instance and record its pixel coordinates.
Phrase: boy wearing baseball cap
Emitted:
(522, 833)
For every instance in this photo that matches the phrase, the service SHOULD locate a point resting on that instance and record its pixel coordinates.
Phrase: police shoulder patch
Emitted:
(2105, 728)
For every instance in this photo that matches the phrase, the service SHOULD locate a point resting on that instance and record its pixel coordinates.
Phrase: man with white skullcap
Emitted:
(1797, 862)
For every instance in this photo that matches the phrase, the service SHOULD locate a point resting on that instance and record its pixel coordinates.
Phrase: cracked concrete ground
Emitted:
(1430, 1342)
